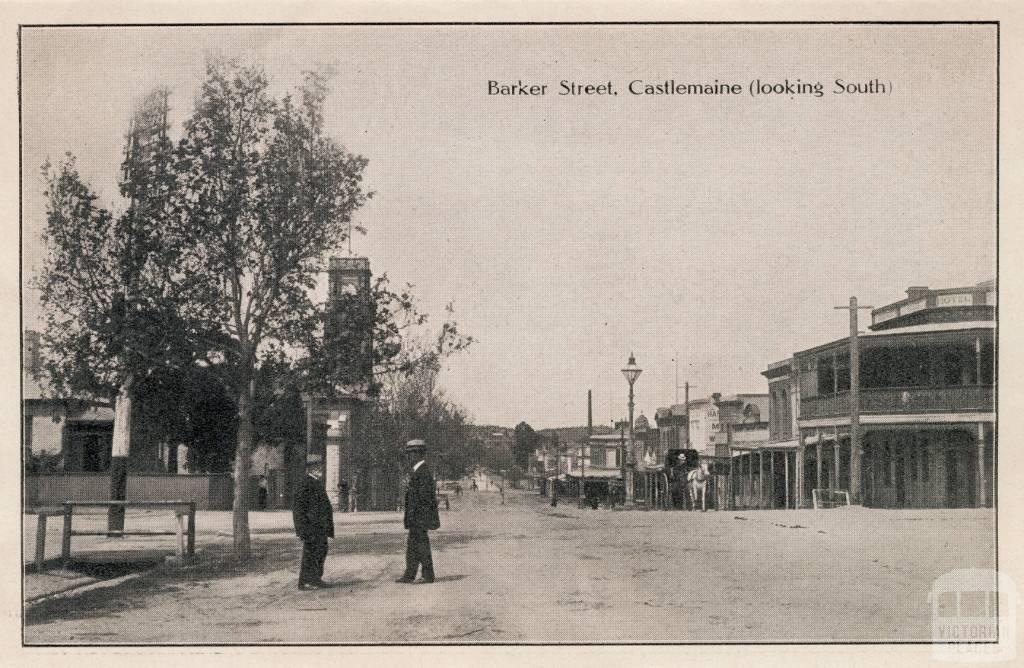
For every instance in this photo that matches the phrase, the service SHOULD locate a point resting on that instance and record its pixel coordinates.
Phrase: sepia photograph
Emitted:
(511, 334)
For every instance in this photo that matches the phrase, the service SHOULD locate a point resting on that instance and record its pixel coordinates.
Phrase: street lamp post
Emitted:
(631, 372)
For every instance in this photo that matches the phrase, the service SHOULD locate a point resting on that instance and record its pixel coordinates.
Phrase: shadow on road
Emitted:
(449, 578)
(216, 562)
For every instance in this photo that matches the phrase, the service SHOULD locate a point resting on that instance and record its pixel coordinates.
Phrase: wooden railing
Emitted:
(963, 398)
(209, 491)
(184, 512)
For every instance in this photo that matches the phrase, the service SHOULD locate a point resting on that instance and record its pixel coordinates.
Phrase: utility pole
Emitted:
(686, 398)
(554, 483)
(676, 360)
(586, 444)
(583, 474)
(855, 449)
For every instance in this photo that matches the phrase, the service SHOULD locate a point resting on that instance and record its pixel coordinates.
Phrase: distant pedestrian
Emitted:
(314, 524)
(420, 514)
(262, 493)
(473, 485)
(343, 496)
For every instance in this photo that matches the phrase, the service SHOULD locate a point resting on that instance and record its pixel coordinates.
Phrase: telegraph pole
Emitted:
(586, 444)
(676, 360)
(686, 398)
(855, 449)
(148, 127)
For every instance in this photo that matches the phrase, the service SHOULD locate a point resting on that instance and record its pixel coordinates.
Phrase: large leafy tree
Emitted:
(214, 263)
(114, 299)
(266, 197)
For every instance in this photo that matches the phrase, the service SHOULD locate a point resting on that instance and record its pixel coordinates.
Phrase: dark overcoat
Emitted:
(312, 512)
(421, 501)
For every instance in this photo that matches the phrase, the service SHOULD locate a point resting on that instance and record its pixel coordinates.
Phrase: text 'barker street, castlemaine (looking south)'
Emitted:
(791, 88)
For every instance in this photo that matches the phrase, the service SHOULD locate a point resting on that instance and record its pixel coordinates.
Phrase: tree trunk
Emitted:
(119, 451)
(243, 457)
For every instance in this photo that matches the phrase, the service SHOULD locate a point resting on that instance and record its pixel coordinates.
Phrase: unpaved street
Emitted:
(526, 572)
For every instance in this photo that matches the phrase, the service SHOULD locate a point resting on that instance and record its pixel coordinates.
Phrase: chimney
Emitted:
(917, 291)
(590, 413)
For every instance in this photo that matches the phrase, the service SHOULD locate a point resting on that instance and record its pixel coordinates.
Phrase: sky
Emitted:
(708, 235)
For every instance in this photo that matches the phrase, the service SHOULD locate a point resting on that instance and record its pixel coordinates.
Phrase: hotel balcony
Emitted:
(896, 400)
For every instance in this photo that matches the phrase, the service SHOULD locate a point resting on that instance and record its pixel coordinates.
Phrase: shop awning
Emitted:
(596, 473)
(760, 447)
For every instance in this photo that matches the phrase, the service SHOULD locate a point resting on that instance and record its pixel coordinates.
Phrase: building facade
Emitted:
(765, 460)
(926, 403)
(671, 426)
(66, 435)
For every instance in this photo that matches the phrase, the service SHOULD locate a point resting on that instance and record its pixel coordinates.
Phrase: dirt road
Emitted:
(526, 572)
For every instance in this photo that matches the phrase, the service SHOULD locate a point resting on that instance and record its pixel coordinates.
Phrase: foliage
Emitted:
(525, 441)
(496, 458)
(264, 197)
(189, 407)
(212, 267)
(364, 338)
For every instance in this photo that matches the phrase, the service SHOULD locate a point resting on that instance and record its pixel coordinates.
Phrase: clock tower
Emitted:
(331, 418)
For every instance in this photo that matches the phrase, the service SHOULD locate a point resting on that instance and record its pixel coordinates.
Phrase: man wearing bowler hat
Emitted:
(314, 524)
(420, 514)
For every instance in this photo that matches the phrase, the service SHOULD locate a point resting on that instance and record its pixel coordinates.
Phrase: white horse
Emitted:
(697, 480)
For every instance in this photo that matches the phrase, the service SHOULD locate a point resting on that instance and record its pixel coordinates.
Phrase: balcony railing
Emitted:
(964, 398)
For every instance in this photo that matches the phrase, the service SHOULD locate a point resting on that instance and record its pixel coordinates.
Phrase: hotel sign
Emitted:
(957, 299)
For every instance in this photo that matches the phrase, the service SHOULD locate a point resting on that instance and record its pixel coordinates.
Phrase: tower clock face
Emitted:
(349, 288)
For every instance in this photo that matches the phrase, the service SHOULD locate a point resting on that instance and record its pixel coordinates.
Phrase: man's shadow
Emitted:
(449, 578)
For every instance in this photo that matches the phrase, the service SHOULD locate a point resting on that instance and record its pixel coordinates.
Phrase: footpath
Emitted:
(100, 561)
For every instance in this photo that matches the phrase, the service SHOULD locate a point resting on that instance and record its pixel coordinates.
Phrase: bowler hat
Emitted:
(416, 445)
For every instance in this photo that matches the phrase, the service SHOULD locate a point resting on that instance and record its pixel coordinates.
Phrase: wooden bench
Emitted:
(184, 546)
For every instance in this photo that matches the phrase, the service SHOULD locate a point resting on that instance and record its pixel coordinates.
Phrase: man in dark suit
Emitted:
(314, 524)
(420, 514)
